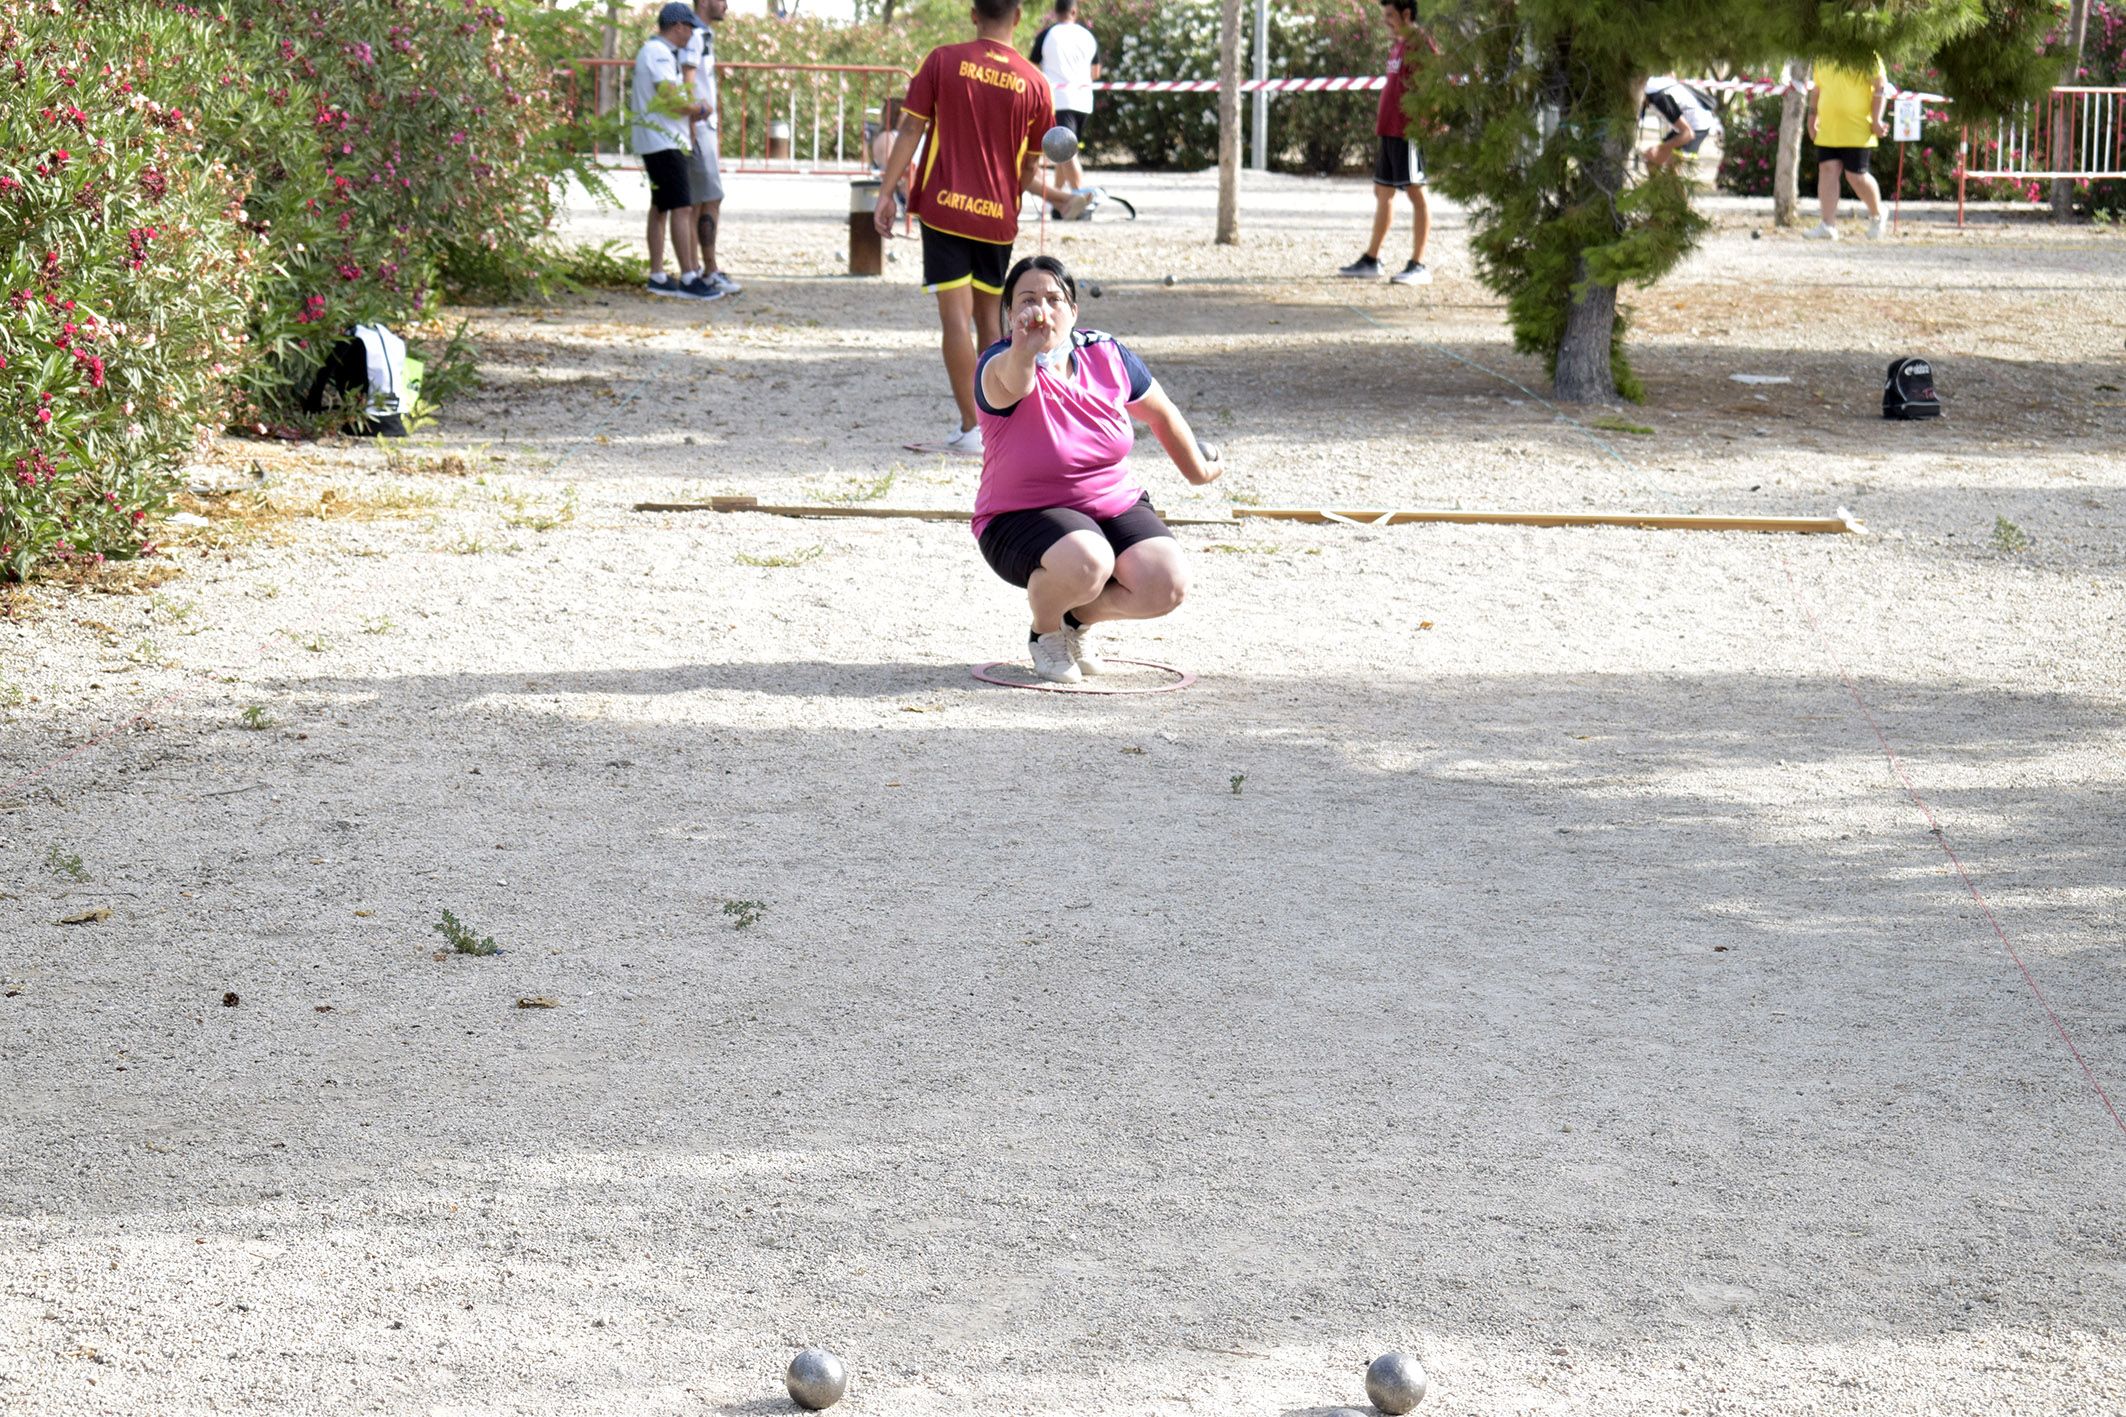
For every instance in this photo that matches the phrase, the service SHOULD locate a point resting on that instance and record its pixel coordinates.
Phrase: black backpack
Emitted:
(1908, 390)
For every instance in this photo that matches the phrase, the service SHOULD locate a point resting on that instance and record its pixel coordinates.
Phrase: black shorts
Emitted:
(1014, 542)
(950, 262)
(1072, 119)
(1853, 160)
(1697, 140)
(1401, 164)
(667, 171)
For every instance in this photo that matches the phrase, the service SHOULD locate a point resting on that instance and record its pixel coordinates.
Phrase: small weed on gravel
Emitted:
(462, 938)
(858, 490)
(65, 863)
(1238, 778)
(795, 558)
(2008, 538)
(255, 718)
(745, 914)
(523, 516)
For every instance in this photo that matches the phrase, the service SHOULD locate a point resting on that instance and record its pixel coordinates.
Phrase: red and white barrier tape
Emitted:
(1766, 88)
(1754, 88)
(1342, 85)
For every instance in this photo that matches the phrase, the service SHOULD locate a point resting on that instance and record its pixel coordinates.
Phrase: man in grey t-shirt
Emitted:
(662, 112)
(704, 176)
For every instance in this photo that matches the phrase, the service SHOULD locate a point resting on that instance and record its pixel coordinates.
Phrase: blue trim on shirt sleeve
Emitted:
(1140, 378)
(981, 400)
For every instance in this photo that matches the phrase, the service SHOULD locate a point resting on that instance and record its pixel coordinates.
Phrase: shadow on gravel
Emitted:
(1614, 1009)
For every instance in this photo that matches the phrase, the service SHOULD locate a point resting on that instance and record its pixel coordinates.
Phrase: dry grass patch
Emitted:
(274, 515)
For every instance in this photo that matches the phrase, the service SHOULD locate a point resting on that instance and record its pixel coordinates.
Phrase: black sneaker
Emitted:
(1412, 274)
(1364, 268)
(662, 284)
(700, 289)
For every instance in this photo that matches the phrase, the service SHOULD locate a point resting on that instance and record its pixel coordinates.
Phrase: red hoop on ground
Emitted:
(1182, 679)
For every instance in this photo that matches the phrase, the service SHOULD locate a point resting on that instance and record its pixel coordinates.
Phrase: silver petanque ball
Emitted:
(1395, 1382)
(817, 1379)
(1059, 144)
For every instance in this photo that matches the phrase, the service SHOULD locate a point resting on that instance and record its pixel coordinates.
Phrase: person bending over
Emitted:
(1688, 115)
(1059, 511)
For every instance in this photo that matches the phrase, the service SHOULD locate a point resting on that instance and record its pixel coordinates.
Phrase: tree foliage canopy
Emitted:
(1530, 113)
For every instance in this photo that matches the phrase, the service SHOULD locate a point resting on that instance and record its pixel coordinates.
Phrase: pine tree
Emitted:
(1530, 112)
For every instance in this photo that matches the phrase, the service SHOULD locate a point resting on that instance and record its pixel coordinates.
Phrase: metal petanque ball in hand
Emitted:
(1395, 1383)
(816, 1379)
(1059, 144)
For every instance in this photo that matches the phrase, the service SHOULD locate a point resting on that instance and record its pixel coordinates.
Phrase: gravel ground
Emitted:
(1516, 949)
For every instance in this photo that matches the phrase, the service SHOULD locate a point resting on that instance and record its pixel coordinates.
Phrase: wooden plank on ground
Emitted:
(1841, 524)
(814, 509)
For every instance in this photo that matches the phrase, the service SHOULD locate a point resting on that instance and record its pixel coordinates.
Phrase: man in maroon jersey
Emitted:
(985, 110)
(1400, 167)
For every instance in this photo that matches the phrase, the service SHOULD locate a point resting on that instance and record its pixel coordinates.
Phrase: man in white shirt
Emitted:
(704, 176)
(1070, 57)
(662, 114)
(1688, 114)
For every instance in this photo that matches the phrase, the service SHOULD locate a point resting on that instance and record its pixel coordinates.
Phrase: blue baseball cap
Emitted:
(677, 14)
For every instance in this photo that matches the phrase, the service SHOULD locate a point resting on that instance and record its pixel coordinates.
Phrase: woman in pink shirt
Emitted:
(1059, 511)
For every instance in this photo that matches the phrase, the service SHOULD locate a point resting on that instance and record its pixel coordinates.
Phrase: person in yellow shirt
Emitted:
(1845, 120)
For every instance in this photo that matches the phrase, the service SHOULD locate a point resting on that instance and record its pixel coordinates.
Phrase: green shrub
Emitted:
(425, 127)
(125, 274)
(1139, 39)
(1325, 132)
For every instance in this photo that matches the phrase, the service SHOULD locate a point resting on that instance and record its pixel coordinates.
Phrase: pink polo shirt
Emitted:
(1066, 444)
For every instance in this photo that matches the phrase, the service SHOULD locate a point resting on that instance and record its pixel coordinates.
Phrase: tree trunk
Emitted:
(1229, 126)
(885, 13)
(1793, 121)
(608, 46)
(1584, 375)
(2077, 32)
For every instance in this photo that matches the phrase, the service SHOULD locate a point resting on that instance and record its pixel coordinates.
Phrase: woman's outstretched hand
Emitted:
(1031, 328)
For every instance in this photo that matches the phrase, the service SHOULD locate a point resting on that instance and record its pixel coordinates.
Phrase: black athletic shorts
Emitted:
(950, 262)
(1072, 119)
(1401, 164)
(1014, 542)
(667, 171)
(1854, 160)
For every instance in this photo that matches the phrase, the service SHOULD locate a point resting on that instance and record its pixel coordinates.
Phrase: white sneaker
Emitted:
(1081, 203)
(1878, 227)
(1081, 651)
(723, 282)
(1052, 658)
(967, 442)
(1821, 231)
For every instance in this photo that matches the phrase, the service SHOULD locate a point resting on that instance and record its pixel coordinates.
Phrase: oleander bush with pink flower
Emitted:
(126, 277)
(197, 201)
(430, 129)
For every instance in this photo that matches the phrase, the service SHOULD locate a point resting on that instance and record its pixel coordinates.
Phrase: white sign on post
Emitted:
(1905, 123)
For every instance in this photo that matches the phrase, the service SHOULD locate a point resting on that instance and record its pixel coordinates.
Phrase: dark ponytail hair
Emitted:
(1052, 266)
